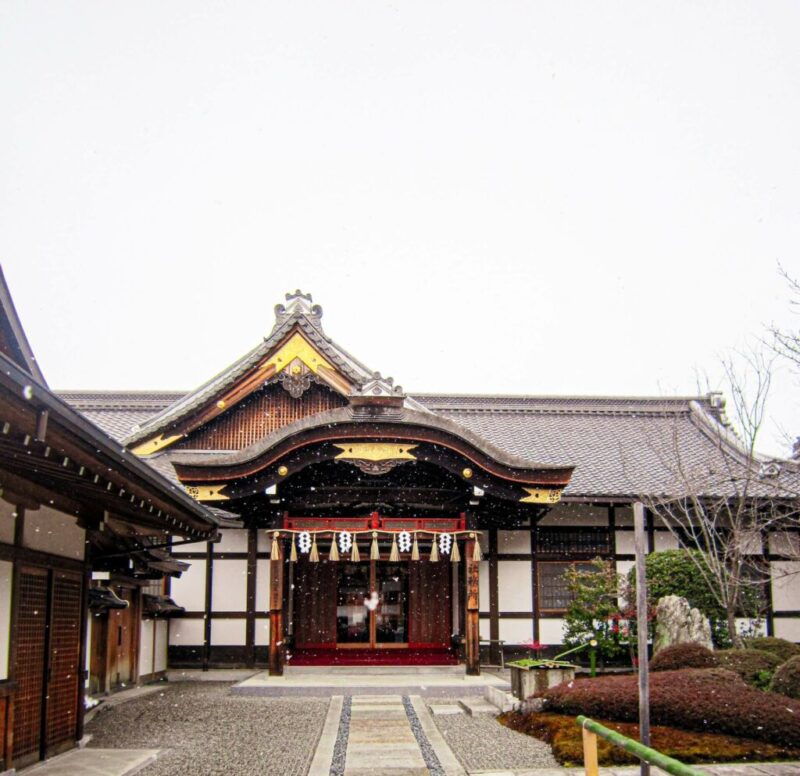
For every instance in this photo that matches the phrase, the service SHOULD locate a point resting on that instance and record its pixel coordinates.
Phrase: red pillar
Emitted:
(276, 615)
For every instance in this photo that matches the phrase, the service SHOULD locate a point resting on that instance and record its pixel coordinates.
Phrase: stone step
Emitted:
(475, 706)
(501, 699)
(445, 709)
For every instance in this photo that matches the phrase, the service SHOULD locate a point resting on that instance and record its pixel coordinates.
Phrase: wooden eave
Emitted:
(296, 450)
(49, 454)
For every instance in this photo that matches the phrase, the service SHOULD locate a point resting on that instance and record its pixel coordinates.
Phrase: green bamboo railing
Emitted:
(592, 729)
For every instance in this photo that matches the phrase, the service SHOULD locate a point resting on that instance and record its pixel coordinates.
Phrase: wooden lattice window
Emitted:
(567, 542)
(552, 588)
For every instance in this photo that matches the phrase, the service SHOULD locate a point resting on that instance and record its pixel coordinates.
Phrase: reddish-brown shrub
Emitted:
(714, 700)
(781, 647)
(564, 737)
(787, 678)
(754, 665)
(688, 655)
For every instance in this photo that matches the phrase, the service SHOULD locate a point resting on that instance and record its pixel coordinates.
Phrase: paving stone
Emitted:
(446, 708)
(475, 706)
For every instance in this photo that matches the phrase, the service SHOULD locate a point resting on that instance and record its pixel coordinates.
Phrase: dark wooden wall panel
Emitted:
(259, 415)
(29, 663)
(429, 603)
(315, 603)
(63, 688)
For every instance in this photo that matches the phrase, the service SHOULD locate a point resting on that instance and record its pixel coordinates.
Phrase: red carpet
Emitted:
(372, 657)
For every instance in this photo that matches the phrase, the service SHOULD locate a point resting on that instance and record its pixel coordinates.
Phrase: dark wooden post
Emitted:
(641, 624)
(471, 627)
(276, 614)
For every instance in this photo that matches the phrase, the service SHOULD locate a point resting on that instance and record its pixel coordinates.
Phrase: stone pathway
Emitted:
(387, 734)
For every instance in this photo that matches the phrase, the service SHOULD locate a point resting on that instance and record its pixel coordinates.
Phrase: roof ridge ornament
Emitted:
(297, 305)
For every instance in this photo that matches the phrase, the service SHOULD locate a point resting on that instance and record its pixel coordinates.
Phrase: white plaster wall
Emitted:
(484, 628)
(575, 515)
(185, 633)
(483, 585)
(784, 543)
(514, 542)
(785, 585)
(162, 639)
(262, 585)
(264, 540)
(483, 541)
(49, 530)
(744, 625)
(551, 630)
(189, 590)
(788, 628)
(665, 540)
(514, 583)
(262, 632)
(229, 633)
(516, 631)
(8, 516)
(146, 647)
(229, 588)
(623, 567)
(625, 543)
(6, 570)
(194, 547)
(232, 540)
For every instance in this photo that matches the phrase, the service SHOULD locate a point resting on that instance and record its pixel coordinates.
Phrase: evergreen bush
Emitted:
(687, 655)
(781, 647)
(755, 666)
(786, 680)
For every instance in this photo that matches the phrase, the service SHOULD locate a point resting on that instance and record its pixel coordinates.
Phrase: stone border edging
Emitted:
(321, 764)
(447, 760)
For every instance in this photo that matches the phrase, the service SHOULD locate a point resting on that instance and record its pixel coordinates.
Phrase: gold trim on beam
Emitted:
(375, 451)
(541, 496)
(296, 347)
(155, 444)
(207, 492)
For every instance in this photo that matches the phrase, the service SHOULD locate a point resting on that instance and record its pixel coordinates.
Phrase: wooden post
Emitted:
(471, 627)
(590, 762)
(640, 543)
(276, 615)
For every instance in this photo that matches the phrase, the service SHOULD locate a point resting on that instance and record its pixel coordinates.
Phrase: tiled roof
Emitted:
(621, 446)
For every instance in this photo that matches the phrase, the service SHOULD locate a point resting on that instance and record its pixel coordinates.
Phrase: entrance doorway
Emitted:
(372, 605)
(360, 611)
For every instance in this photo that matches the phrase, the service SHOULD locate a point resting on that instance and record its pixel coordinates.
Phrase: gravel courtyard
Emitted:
(205, 730)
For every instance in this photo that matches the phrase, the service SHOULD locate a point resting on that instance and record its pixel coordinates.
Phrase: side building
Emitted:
(341, 480)
(77, 513)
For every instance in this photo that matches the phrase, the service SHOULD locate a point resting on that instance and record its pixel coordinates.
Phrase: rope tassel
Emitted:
(476, 550)
(275, 552)
(293, 553)
(334, 553)
(415, 549)
(314, 556)
(394, 555)
(374, 553)
(455, 555)
(434, 551)
(354, 556)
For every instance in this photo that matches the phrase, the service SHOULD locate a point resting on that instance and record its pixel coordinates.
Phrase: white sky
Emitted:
(529, 197)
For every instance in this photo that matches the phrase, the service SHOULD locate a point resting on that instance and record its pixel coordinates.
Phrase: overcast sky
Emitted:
(514, 197)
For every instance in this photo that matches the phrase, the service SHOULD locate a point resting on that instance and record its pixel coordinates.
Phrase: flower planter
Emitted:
(530, 677)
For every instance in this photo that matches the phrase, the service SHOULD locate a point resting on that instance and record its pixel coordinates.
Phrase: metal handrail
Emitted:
(592, 729)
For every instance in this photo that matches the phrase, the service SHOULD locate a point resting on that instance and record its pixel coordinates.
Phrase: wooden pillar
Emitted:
(250, 625)
(471, 626)
(494, 600)
(276, 614)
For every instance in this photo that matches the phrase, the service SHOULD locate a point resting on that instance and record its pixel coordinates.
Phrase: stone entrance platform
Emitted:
(325, 681)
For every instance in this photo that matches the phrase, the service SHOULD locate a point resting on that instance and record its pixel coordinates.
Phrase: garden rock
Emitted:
(677, 623)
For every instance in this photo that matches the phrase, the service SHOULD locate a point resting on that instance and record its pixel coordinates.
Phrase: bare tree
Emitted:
(718, 494)
(787, 343)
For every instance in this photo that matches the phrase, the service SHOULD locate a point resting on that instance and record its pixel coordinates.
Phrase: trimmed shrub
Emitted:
(688, 655)
(564, 737)
(755, 666)
(787, 678)
(781, 647)
(712, 699)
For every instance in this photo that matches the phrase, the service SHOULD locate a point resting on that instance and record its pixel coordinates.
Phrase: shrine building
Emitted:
(363, 524)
